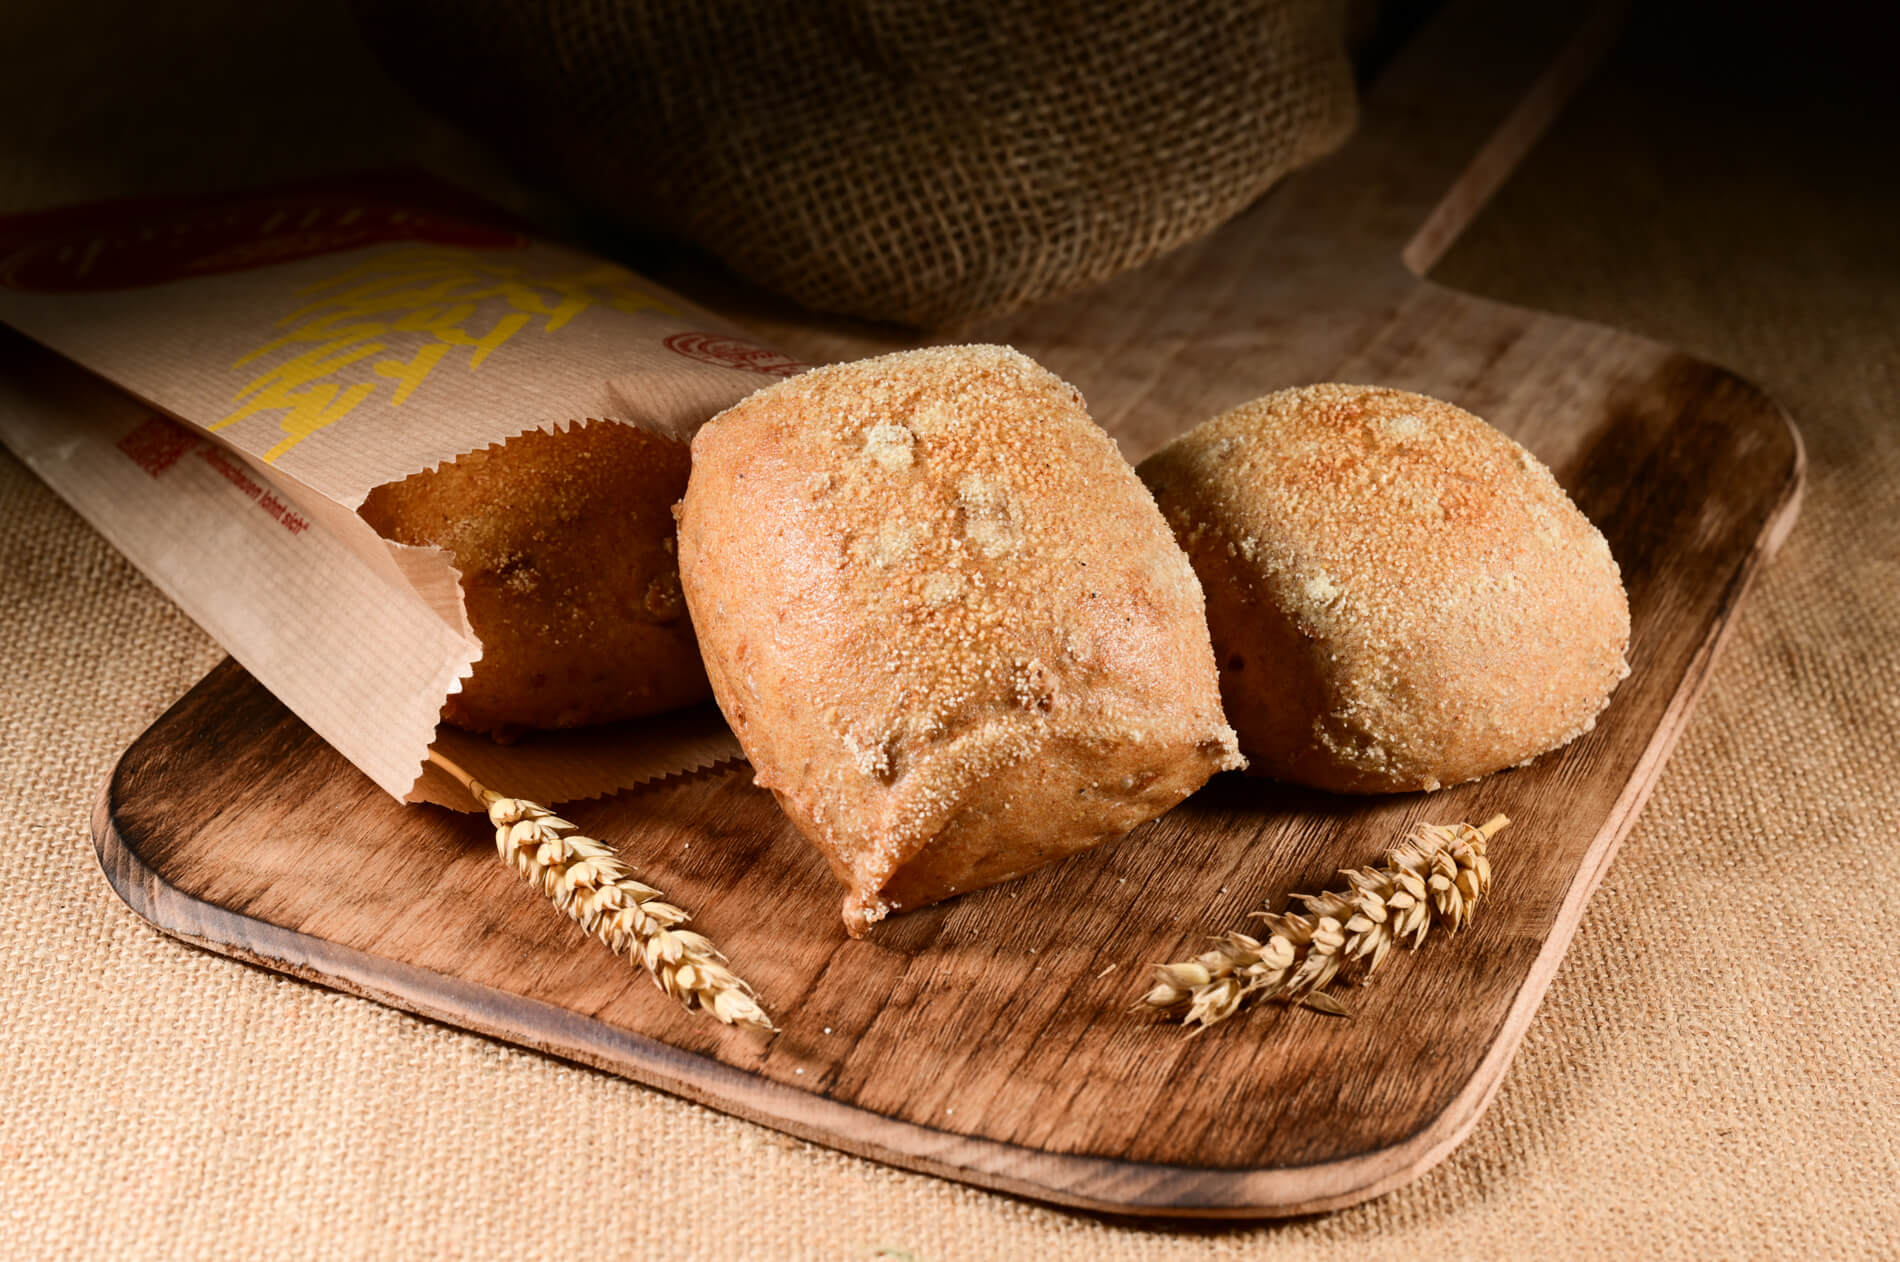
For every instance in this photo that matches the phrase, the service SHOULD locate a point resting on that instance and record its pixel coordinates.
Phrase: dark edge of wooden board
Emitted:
(1096, 1184)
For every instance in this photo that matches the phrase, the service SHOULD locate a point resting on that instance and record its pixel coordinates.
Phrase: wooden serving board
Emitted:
(989, 1039)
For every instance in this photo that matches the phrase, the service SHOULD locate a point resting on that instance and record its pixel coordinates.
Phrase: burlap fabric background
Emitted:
(909, 160)
(1711, 1075)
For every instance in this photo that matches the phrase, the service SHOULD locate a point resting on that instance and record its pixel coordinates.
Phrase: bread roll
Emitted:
(1400, 597)
(569, 575)
(945, 620)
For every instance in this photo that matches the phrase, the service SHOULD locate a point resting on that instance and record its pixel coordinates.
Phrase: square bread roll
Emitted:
(946, 621)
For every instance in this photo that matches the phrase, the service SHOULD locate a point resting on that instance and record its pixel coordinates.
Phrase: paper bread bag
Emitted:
(278, 355)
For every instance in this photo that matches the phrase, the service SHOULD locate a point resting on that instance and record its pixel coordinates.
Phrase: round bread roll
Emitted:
(945, 620)
(569, 574)
(1400, 597)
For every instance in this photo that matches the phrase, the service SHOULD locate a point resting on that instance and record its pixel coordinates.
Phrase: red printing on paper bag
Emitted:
(733, 352)
(132, 244)
(157, 443)
(234, 473)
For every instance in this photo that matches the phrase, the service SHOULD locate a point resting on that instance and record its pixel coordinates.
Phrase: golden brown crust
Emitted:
(945, 621)
(566, 551)
(1399, 595)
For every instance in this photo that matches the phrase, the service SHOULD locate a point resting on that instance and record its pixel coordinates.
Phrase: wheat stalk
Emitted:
(584, 879)
(1437, 875)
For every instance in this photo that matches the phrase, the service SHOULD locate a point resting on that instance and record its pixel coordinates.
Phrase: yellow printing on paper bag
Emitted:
(415, 305)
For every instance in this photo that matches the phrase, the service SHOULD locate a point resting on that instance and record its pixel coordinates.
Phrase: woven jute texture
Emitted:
(919, 161)
(1712, 1073)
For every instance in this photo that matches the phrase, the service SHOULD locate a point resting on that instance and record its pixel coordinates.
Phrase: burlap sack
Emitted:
(921, 161)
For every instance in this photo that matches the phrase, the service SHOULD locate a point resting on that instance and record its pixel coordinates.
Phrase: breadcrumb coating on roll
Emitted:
(1400, 596)
(946, 620)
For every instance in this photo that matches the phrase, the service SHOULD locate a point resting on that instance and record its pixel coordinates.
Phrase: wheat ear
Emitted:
(584, 879)
(1436, 876)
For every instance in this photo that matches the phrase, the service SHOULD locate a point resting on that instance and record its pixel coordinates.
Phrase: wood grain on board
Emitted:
(989, 1039)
